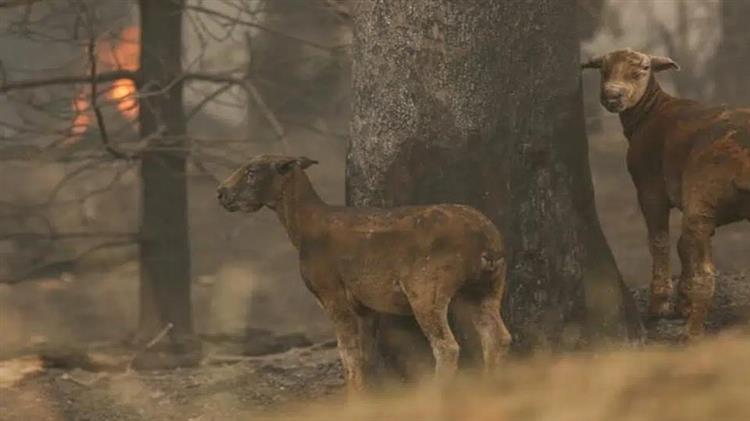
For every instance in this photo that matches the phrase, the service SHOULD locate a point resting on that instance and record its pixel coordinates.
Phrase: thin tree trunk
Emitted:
(732, 62)
(479, 102)
(164, 243)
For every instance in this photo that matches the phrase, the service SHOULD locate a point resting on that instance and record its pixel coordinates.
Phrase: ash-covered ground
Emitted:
(265, 375)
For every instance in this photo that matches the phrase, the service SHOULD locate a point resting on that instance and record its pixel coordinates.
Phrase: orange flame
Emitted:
(81, 121)
(123, 93)
(121, 53)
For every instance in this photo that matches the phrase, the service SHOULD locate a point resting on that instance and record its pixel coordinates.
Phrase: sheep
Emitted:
(682, 154)
(359, 262)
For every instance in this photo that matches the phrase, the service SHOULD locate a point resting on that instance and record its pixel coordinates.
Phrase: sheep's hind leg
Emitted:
(483, 306)
(494, 337)
(430, 309)
(434, 324)
(696, 289)
(493, 333)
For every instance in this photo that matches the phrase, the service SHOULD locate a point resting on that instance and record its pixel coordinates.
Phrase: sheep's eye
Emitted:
(250, 175)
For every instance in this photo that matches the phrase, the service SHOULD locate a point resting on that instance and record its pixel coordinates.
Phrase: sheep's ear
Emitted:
(305, 162)
(282, 167)
(659, 63)
(289, 163)
(593, 63)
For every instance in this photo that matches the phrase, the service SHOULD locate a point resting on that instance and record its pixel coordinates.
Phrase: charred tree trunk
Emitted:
(479, 102)
(732, 63)
(164, 246)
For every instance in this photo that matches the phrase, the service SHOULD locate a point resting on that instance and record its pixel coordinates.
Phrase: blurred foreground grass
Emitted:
(706, 381)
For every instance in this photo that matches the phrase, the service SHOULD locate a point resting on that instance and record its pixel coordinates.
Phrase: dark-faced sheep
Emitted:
(682, 154)
(362, 261)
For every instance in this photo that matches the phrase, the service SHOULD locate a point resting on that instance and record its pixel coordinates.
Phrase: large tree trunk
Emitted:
(732, 62)
(479, 102)
(164, 246)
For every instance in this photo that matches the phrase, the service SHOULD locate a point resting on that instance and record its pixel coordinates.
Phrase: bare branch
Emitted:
(15, 3)
(270, 116)
(206, 99)
(342, 9)
(201, 167)
(159, 336)
(68, 235)
(252, 92)
(70, 175)
(36, 271)
(94, 91)
(237, 20)
(69, 80)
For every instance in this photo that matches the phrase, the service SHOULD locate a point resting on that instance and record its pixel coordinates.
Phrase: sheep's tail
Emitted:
(491, 262)
(743, 184)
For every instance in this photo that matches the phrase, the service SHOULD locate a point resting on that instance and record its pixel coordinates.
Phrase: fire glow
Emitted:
(82, 119)
(120, 53)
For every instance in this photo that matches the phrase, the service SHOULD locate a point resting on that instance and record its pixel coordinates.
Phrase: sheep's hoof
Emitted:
(682, 309)
(692, 333)
(661, 308)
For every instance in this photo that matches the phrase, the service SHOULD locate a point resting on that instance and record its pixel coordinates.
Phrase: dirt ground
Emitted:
(214, 391)
(661, 381)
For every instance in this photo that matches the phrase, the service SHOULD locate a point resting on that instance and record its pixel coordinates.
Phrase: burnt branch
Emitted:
(206, 99)
(51, 202)
(236, 20)
(91, 50)
(341, 9)
(17, 3)
(67, 235)
(57, 267)
(253, 93)
(69, 80)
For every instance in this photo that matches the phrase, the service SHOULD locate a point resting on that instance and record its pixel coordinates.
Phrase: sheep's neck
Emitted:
(634, 117)
(299, 207)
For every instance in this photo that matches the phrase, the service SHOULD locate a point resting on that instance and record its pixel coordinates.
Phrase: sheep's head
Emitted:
(625, 76)
(259, 182)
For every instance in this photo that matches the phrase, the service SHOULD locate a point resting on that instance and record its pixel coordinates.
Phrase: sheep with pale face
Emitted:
(682, 154)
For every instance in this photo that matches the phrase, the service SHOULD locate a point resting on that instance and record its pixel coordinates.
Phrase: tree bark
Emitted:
(164, 243)
(479, 102)
(732, 62)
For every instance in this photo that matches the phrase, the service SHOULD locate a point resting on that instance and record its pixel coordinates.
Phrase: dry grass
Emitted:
(14, 370)
(707, 381)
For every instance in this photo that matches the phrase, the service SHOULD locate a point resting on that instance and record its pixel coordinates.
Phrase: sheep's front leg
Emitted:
(368, 325)
(655, 208)
(349, 325)
(355, 333)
